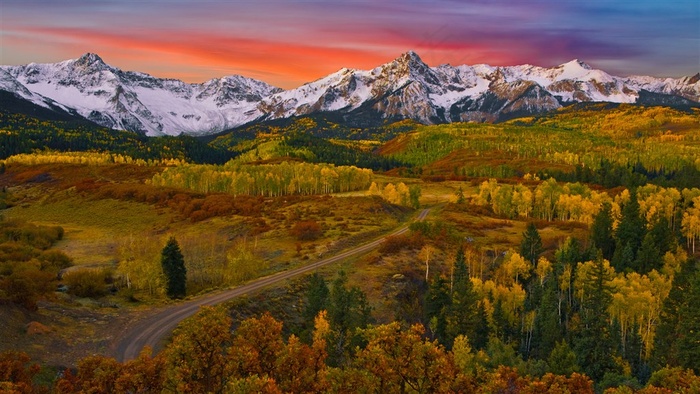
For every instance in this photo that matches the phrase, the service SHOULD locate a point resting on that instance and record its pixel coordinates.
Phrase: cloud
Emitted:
(285, 63)
(287, 43)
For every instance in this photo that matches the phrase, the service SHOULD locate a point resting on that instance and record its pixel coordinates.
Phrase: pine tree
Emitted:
(649, 255)
(666, 343)
(502, 329)
(437, 304)
(602, 231)
(463, 316)
(174, 269)
(531, 246)
(594, 345)
(562, 360)
(317, 297)
(481, 334)
(662, 233)
(548, 329)
(348, 310)
(689, 327)
(629, 234)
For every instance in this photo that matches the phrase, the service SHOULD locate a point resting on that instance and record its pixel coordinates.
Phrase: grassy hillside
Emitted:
(650, 142)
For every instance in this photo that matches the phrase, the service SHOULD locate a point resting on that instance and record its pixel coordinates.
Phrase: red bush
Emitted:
(396, 243)
(307, 230)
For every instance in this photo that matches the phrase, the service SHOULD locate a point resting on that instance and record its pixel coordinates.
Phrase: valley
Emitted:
(518, 220)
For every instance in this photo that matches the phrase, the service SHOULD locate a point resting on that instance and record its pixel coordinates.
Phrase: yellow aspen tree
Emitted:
(403, 194)
(690, 224)
(543, 269)
(389, 193)
(374, 190)
(513, 268)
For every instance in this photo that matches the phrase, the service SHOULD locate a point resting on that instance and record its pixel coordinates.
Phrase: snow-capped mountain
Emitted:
(136, 101)
(408, 88)
(401, 89)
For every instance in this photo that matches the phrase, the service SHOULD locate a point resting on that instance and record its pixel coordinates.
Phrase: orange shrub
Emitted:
(307, 230)
(396, 243)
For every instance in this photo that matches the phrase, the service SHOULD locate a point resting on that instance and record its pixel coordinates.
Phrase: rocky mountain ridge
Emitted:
(405, 88)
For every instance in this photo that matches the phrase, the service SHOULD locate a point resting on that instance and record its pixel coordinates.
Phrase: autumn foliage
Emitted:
(17, 372)
(193, 206)
(205, 356)
(306, 230)
(28, 265)
(395, 243)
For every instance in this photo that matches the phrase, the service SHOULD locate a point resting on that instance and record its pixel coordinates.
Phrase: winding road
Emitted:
(153, 330)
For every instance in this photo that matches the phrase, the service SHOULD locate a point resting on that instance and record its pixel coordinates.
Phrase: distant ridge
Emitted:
(405, 88)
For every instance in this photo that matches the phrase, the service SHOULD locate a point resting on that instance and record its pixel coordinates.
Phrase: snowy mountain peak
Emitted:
(576, 63)
(89, 63)
(405, 68)
(136, 101)
(89, 58)
(410, 57)
(409, 61)
(404, 88)
(577, 70)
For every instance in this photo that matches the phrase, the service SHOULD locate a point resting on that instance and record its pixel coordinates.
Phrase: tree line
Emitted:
(286, 178)
(24, 134)
(669, 211)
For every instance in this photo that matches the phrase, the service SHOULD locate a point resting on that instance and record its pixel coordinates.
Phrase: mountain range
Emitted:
(405, 88)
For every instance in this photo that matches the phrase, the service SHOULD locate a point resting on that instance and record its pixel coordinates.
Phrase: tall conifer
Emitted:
(174, 269)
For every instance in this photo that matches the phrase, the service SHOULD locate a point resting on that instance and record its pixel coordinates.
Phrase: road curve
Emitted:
(153, 330)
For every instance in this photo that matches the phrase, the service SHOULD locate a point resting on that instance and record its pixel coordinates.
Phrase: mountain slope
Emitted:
(408, 88)
(136, 101)
(405, 88)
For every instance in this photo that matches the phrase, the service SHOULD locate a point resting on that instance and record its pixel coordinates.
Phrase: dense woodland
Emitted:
(608, 301)
(23, 134)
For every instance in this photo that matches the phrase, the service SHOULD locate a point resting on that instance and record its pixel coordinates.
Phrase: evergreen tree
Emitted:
(562, 360)
(481, 334)
(629, 234)
(663, 234)
(502, 329)
(602, 231)
(348, 310)
(317, 299)
(174, 269)
(649, 255)
(657, 241)
(463, 317)
(547, 326)
(666, 343)
(437, 304)
(531, 246)
(594, 345)
(689, 327)
(461, 272)
(568, 254)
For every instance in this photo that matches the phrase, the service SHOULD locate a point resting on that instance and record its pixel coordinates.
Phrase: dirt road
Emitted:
(154, 330)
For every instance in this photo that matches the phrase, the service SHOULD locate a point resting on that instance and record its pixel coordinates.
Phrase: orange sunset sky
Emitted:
(288, 43)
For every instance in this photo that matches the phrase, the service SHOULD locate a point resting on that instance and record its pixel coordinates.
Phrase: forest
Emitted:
(559, 255)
